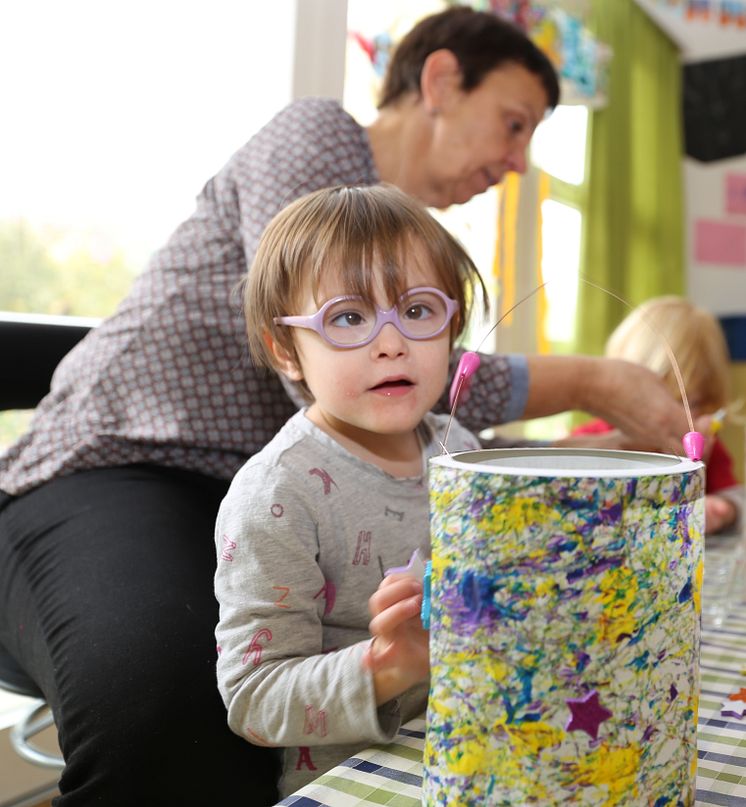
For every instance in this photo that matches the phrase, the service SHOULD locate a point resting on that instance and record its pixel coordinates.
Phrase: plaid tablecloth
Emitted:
(392, 774)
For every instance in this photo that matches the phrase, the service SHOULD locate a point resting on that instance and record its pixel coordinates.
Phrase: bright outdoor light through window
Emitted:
(561, 229)
(114, 117)
(558, 146)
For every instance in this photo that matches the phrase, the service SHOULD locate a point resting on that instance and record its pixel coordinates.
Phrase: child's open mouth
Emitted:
(393, 386)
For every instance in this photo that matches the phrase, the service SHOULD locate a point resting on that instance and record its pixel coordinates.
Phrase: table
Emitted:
(392, 774)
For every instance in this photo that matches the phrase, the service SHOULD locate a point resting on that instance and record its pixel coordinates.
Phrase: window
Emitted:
(115, 117)
(559, 149)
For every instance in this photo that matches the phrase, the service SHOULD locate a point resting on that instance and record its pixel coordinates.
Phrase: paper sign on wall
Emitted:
(735, 193)
(720, 243)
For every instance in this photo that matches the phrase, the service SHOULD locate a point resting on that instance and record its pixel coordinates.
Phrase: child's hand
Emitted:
(398, 655)
(720, 513)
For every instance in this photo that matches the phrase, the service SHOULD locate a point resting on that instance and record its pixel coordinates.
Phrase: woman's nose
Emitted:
(518, 161)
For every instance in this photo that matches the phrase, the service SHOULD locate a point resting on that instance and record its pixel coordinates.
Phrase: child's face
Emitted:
(384, 387)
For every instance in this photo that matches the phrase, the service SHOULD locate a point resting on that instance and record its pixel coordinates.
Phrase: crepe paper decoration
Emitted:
(735, 193)
(721, 12)
(377, 48)
(719, 243)
(587, 714)
(565, 584)
(732, 13)
(698, 9)
(725, 12)
(523, 13)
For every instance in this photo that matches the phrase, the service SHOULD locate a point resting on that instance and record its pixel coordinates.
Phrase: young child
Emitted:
(697, 341)
(358, 293)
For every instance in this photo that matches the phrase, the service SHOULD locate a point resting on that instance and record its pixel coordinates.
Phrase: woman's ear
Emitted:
(283, 360)
(440, 80)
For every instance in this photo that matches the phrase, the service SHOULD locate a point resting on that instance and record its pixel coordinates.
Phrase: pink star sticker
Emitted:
(587, 714)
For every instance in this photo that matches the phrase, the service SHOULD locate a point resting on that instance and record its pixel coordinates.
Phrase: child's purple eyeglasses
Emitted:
(352, 321)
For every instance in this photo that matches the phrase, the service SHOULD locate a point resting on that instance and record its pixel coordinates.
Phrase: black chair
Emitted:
(31, 347)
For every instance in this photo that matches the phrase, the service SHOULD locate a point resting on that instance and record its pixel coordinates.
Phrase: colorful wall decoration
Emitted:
(580, 59)
(564, 631)
(559, 29)
(724, 12)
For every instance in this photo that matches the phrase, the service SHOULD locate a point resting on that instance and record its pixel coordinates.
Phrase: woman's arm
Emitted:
(630, 397)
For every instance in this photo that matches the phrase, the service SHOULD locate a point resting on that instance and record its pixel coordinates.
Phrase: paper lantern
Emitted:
(564, 633)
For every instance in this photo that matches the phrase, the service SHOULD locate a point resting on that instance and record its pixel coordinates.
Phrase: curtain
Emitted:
(634, 225)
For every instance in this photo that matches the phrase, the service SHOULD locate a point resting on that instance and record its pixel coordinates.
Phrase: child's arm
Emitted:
(723, 509)
(285, 679)
(398, 654)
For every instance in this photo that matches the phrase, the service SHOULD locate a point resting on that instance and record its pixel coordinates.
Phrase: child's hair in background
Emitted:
(351, 235)
(696, 339)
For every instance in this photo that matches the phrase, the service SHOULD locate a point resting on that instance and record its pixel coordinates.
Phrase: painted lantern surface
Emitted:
(564, 631)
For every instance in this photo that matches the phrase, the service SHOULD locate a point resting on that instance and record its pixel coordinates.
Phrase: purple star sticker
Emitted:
(415, 568)
(587, 714)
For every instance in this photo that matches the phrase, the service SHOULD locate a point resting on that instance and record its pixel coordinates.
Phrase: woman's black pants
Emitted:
(106, 600)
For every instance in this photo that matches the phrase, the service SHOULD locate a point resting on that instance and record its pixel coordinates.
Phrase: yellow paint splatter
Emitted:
(545, 586)
(614, 768)
(516, 515)
(533, 738)
(468, 758)
(618, 591)
(441, 499)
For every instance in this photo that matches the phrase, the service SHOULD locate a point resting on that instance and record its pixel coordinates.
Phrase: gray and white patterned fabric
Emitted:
(167, 379)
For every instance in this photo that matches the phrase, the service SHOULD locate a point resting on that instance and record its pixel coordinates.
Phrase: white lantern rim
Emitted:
(567, 462)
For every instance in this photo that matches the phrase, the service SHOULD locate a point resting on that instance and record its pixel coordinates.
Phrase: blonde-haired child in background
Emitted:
(698, 343)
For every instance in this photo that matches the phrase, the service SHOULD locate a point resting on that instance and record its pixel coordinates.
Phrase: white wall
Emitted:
(718, 287)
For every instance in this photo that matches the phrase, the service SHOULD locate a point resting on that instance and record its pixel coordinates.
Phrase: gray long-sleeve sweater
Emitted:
(303, 538)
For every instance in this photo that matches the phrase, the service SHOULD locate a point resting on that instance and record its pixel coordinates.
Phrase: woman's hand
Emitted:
(626, 395)
(398, 654)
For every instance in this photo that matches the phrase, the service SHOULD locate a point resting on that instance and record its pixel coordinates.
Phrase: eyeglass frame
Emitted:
(315, 322)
